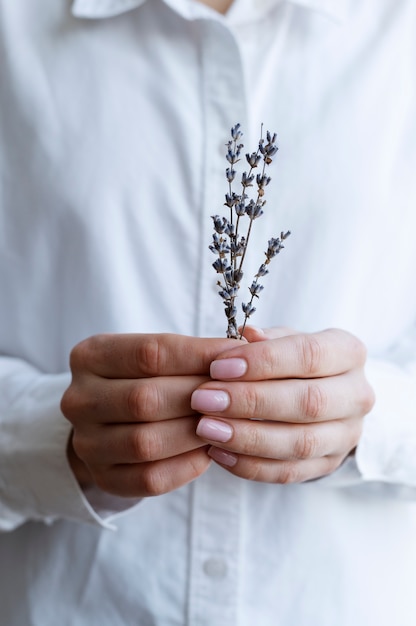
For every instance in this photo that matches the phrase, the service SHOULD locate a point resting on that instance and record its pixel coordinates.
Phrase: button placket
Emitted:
(215, 562)
(215, 568)
(224, 105)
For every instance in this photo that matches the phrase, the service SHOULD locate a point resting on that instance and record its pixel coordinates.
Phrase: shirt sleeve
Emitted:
(36, 481)
(385, 458)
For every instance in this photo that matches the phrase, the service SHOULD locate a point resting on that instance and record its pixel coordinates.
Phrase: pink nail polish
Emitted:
(223, 457)
(214, 430)
(211, 400)
(228, 368)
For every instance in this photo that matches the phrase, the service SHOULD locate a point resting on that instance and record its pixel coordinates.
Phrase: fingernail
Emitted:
(222, 457)
(228, 368)
(210, 400)
(255, 329)
(214, 430)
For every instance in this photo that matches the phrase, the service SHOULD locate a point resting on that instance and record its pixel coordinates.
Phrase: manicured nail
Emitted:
(214, 430)
(222, 457)
(211, 400)
(228, 368)
(259, 331)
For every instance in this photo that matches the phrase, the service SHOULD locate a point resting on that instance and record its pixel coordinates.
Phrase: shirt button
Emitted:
(215, 568)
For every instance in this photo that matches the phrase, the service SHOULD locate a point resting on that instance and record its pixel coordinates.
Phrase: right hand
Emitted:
(129, 405)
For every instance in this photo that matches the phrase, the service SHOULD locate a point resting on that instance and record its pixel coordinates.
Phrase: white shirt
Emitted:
(113, 120)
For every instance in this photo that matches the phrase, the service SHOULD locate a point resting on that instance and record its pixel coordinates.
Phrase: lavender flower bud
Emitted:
(256, 288)
(275, 245)
(262, 180)
(220, 266)
(230, 311)
(230, 200)
(262, 271)
(253, 159)
(230, 156)
(229, 275)
(248, 308)
(236, 133)
(232, 332)
(229, 292)
(230, 174)
(250, 208)
(247, 181)
(254, 210)
(219, 225)
(271, 150)
(229, 229)
(237, 276)
(237, 247)
(219, 245)
(258, 211)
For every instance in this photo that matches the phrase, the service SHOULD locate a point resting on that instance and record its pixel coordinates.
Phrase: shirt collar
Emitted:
(103, 8)
(335, 9)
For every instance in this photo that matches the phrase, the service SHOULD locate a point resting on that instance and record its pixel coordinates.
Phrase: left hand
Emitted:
(285, 407)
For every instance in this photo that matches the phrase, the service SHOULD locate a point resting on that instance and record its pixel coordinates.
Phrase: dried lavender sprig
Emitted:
(228, 243)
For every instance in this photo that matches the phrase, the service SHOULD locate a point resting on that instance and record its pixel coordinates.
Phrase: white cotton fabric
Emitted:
(113, 120)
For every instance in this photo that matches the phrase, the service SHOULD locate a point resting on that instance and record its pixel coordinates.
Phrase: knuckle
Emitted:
(250, 402)
(197, 464)
(79, 355)
(313, 403)
(69, 403)
(368, 399)
(149, 356)
(81, 445)
(84, 352)
(288, 473)
(82, 401)
(254, 470)
(252, 440)
(306, 444)
(76, 402)
(153, 481)
(311, 354)
(143, 400)
(146, 444)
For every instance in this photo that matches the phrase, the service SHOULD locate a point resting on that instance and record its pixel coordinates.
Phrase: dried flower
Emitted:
(228, 243)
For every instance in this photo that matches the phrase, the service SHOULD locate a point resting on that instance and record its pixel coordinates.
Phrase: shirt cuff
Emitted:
(36, 481)
(385, 458)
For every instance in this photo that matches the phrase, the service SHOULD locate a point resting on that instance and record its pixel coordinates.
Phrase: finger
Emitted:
(153, 479)
(105, 401)
(132, 443)
(292, 400)
(143, 355)
(302, 355)
(277, 472)
(288, 442)
(253, 333)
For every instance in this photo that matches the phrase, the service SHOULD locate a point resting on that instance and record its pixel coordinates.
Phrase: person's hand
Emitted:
(129, 404)
(286, 407)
